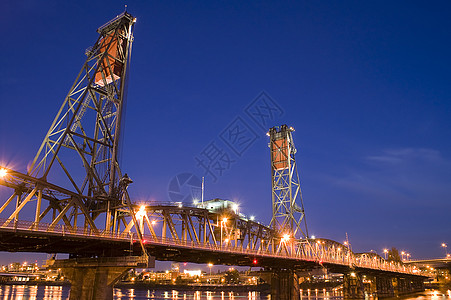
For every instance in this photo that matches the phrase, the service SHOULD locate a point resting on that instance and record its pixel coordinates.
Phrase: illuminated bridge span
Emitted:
(193, 234)
(74, 199)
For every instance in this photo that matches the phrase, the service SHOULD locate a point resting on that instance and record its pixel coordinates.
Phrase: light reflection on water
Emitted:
(34, 292)
(128, 294)
(24, 292)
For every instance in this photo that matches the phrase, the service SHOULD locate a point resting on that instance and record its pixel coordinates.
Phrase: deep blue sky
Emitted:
(365, 84)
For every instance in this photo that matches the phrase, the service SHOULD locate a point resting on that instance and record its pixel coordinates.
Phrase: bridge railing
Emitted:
(300, 251)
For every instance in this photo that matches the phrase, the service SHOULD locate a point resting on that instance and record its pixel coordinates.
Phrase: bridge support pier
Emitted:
(353, 286)
(94, 278)
(285, 285)
(407, 285)
(384, 287)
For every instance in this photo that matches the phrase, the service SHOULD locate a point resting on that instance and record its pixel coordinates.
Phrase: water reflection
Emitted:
(33, 292)
(126, 294)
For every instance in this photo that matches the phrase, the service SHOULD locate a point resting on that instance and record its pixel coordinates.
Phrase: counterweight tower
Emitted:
(288, 216)
(80, 151)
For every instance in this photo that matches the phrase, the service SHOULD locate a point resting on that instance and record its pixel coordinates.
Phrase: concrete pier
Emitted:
(285, 285)
(94, 278)
(353, 286)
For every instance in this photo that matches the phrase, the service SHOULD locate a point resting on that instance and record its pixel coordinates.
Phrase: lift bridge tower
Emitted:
(75, 178)
(288, 216)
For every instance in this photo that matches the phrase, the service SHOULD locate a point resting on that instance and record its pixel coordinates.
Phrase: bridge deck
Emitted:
(22, 236)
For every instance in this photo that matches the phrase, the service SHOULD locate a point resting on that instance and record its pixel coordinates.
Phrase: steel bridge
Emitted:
(84, 208)
(193, 234)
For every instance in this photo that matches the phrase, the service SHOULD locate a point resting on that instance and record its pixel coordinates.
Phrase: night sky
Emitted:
(366, 85)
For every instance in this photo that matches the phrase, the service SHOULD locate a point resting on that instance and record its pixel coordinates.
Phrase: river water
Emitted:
(24, 292)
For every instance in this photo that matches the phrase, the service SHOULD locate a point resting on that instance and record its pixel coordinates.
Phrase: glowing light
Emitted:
(210, 265)
(141, 212)
(385, 250)
(195, 202)
(285, 237)
(255, 261)
(313, 237)
(252, 218)
(353, 274)
(153, 222)
(235, 207)
(224, 220)
(3, 173)
(193, 273)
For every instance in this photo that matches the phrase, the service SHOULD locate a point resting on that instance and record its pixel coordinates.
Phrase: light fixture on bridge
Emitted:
(252, 218)
(3, 172)
(235, 208)
(141, 212)
(285, 238)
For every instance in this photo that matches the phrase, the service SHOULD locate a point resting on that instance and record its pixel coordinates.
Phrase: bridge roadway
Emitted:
(436, 263)
(24, 236)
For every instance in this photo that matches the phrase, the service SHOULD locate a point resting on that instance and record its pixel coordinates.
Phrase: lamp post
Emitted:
(444, 245)
(385, 253)
(223, 222)
(210, 265)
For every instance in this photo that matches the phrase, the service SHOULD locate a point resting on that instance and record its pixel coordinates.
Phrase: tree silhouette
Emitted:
(393, 255)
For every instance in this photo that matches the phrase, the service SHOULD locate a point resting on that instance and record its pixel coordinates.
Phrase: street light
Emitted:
(385, 253)
(223, 222)
(210, 265)
(140, 216)
(444, 245)
(285, 238)
(3, 172)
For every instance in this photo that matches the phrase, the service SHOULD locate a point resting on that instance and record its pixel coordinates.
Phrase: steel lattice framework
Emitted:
(288, 216)
(87, 126)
